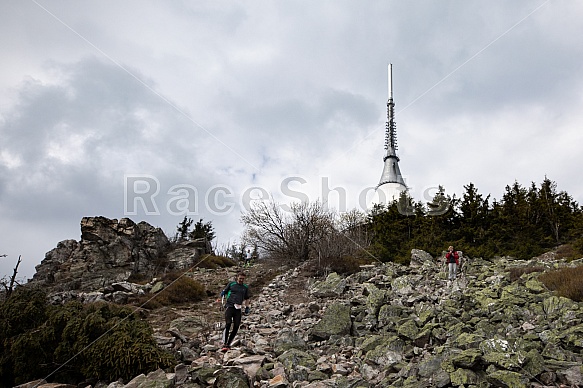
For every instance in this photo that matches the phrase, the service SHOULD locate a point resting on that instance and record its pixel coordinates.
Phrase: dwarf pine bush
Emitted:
(74, 342)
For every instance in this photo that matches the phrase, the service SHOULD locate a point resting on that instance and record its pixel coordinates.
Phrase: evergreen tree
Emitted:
(203, 230)
(183, 228)
(524, 223)
(475, 219)
(392, 228)
(559, 212)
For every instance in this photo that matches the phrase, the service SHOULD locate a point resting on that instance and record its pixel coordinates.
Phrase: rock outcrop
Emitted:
(391, 326)
(109, 251)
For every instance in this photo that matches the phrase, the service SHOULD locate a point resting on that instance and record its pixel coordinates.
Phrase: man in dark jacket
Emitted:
(237, 295)
(452, 259)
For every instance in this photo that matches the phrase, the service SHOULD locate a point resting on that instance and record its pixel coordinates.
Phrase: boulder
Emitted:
(297, 364)
(288, 339)
(389, 352)
(421, 258)
(232, 377)
(333, 286)
(336, 321)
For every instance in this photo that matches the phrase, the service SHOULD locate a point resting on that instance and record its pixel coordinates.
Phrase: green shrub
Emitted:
(568, 282)
(110, 343)
(23, 311)
(74, 342)
(20, 314)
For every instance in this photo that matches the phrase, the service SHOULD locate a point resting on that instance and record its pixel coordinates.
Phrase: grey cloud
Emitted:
(278, 88)
(74, 141)
(319, 120)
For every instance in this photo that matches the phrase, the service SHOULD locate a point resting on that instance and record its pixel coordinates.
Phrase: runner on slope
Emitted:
(237, 295)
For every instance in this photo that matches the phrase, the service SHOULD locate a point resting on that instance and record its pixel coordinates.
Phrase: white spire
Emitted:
(391, 182)
(390, 81)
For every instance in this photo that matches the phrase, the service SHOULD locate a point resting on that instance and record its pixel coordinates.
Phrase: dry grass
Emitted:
(214, 262)
(568, 252)
(568, 282)
(180, 290)
(517, 272)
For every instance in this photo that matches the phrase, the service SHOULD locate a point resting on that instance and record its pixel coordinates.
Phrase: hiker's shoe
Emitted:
(225, 348)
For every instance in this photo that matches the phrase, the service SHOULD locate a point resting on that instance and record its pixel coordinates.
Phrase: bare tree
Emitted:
(291, 233)
(349, 238)
(353, 226)
(9, 284)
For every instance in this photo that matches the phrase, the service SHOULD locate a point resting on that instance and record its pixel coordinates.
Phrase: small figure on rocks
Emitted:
(452, 259)
(237, 295)
(248, 258)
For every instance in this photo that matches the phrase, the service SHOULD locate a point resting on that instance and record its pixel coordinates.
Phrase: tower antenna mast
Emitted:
(391, 126)
(391, 179)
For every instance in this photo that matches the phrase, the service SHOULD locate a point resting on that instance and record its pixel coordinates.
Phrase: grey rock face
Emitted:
(109, 251)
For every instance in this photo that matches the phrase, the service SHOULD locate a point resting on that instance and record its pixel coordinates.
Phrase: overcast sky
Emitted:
(148, 109)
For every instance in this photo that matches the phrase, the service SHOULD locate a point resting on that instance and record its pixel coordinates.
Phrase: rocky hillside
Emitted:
(387, 325)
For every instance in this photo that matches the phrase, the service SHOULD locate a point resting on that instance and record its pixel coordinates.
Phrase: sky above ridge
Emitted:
(157, 110)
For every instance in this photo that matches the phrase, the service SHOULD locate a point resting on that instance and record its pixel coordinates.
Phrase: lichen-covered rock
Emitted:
(421, 258)
(295, 358)
(510, 361)
(288, 339)
(388, 353)
(233, 377)
(486, 297)
(375, 299)
(514, 295)
(408, 329)
(464, 377)
(424, 312)
(466, 340)
(430, 369)
(534, 286)
(556, 305)
(155, 379)
(466, 359)
(509, 379)
(404, 285)
(333, 286)
(336, 321)
(534, 364)
(390, 314)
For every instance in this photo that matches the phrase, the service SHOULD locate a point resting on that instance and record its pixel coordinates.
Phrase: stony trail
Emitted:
(387, 325)
(390, 325)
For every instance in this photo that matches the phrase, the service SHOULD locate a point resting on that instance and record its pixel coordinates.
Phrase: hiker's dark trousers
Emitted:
(232, 317)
